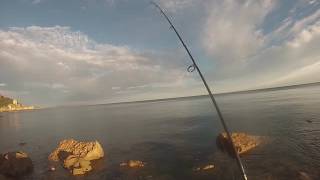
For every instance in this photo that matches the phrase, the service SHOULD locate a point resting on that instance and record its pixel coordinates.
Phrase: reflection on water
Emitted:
(13, 121)
(176, 136)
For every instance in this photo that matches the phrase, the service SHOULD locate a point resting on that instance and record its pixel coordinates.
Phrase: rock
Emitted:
(3, 177)
(242, 141)
(77, 171)
(123, 164)
(77, 166)
(95, 153)
(304, 176)
(70, 161)
(22, 144)
(52, 168)
(87, 150)
(205, 168)
(133, 164)
(15, 164)
(77, 156)
(83, 167)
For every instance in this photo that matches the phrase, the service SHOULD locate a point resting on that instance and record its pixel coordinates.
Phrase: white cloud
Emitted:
(306, 21)
(176, 5)
(115, 87)
(232, 31)
(56, 60)
(305, 36)
(110, 2)
(3, 84)
(305, 74)
(292, 25)
(36, 1)
(250, 57)
(293, 62)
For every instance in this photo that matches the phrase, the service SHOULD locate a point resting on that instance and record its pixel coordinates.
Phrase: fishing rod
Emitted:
(193, 67)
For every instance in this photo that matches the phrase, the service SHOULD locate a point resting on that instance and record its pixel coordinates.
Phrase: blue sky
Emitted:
(55, 52)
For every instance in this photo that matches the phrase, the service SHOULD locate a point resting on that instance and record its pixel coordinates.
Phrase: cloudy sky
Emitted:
(57, 52)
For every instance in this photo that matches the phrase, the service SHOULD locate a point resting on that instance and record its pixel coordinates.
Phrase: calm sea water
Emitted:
(176, 136)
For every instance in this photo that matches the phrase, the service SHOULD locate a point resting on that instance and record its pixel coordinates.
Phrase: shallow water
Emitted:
(176, 136)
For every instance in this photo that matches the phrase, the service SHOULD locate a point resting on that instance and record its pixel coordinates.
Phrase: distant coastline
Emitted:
(11, 105)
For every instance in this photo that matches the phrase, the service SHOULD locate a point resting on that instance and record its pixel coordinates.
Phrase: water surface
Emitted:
(176, 136)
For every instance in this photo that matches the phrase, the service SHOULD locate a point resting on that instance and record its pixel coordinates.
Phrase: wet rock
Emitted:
(2, 177)
(77, 166)
(309, 120)
(205, 168)
(242, 141)
(70, 161)
(52, 168)
(77, 156)
(22, 144)
(133, 164)
(62, 155)
(86, 150)
(15, 164)
(304, 176)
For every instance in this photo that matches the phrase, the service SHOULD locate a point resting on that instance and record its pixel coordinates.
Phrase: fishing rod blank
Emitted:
(191, 68)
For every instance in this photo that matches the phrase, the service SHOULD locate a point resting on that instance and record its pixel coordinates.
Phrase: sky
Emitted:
(70, 52)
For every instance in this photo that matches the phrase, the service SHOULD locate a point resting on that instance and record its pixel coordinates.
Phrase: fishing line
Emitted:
(194, 67)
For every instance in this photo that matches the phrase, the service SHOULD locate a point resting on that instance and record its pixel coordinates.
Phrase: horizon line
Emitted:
(218, 94)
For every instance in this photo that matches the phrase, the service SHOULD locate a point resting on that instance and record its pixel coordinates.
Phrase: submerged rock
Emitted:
(77, 156)
(309, 120)
(22, 144)
(2, 177)
(52, 168)
(205, 168)
(133, 164)
(242, 141)
(15, 164)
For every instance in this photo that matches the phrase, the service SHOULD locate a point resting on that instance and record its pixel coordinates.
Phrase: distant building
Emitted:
(10, 107)
(15, 102)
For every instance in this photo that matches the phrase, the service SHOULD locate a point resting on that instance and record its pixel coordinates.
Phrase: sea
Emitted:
(176, 136)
